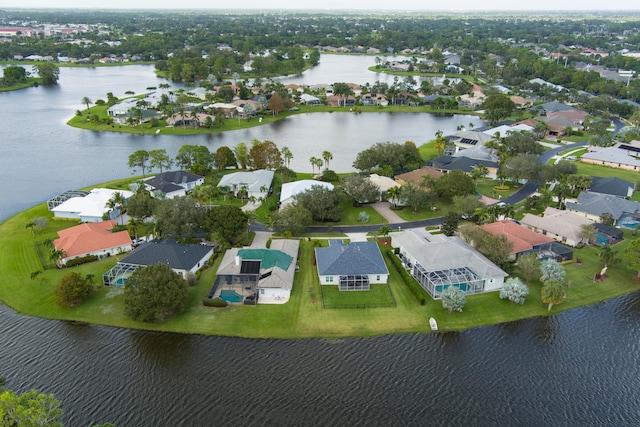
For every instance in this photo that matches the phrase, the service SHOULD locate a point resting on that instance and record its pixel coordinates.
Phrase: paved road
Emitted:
(525, 191)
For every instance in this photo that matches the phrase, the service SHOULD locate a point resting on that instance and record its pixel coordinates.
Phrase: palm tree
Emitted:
(86, 101)
(393, 194)
(31, 225)
(606, 255)
(117, 201)
(479, 171)
(133, 226)
(588, 234)
(56, 255)
(326, 156)
(287, 155)
(314, 161)
(440, 142)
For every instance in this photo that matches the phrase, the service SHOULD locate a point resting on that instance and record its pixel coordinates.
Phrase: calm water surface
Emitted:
(578, 368)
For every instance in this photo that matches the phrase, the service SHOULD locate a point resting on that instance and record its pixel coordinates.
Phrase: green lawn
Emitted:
(605, 171)
(378, 294)
(428, 151)
(302, 316)
(486, 187)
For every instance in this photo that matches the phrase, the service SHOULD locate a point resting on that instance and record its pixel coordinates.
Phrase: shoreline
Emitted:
(302, 317)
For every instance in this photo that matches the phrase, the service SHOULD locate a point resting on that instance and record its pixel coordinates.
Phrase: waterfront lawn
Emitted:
(428, 150)
(378, 294)
(302, 316)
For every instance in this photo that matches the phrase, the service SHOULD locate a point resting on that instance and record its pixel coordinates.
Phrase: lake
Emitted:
(577, 368)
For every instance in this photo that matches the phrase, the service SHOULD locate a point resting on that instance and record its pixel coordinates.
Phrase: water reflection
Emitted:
(546, 329)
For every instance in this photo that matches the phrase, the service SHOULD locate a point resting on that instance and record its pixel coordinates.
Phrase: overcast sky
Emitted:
(377, 5)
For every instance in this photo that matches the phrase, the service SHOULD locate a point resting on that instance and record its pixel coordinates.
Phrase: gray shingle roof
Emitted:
(348, 259)
(597, 204)
(611, 185)
(178, 256)
(168, 182)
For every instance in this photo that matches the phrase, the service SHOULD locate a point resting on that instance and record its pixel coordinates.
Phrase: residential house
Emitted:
(469, 139)
(398, 66)
(526, 241)
(622, 155)
(310, 100)
(446, 164)
(520, 101)
(417, 176)
(290, 190)
(263, 276)
(563, 226)
(173, 184)
(384, 183)
(613, 186)
(438, 262)
(352, 266)
(374, 99)
(257, 183)
(94, 238)
(182, 258)
(593, 205)
(90, 207)
(188, 120)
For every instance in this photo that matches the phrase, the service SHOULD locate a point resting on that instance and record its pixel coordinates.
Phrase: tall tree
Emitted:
(224, 158)
(226, 222)
(160, 159)
(292, 218)
(154, 293)
(528, 267)
(361, 189)
(631, 255)
(139, 159)
(29, 409)
(287, 155)
(552, 293)
(326, 156)
(242, 154)
(323, 203)
(86, 101)
(48, 72)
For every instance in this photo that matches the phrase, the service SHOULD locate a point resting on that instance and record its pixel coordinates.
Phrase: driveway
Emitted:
(384, 209)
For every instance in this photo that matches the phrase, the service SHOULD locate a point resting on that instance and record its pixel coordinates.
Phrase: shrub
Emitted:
(268, 244)
(73, 289)
(214, 302)
(190, 278)
(82, 260)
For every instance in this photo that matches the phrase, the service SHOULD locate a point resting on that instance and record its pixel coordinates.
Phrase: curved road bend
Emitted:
(525, 191)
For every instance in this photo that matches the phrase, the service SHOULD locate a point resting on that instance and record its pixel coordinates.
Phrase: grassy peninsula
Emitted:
(302, 317)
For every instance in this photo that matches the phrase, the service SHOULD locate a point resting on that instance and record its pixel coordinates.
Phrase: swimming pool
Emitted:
(230, 295)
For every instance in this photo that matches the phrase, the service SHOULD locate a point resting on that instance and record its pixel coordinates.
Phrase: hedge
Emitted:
(412, 284)
(215, 302)
(82, 260)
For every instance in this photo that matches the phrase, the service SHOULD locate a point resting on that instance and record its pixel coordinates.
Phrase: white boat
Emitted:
(433, 324)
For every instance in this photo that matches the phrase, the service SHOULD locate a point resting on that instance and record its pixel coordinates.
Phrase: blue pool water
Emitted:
(230, 295)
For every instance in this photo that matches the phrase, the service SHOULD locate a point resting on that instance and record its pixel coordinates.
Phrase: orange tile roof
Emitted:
(523, 239)
(90, 237)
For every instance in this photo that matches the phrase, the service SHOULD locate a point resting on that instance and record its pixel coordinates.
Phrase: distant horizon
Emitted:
(372, 6)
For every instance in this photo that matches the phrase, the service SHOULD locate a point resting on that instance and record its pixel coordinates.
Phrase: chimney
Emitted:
(238, 260)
